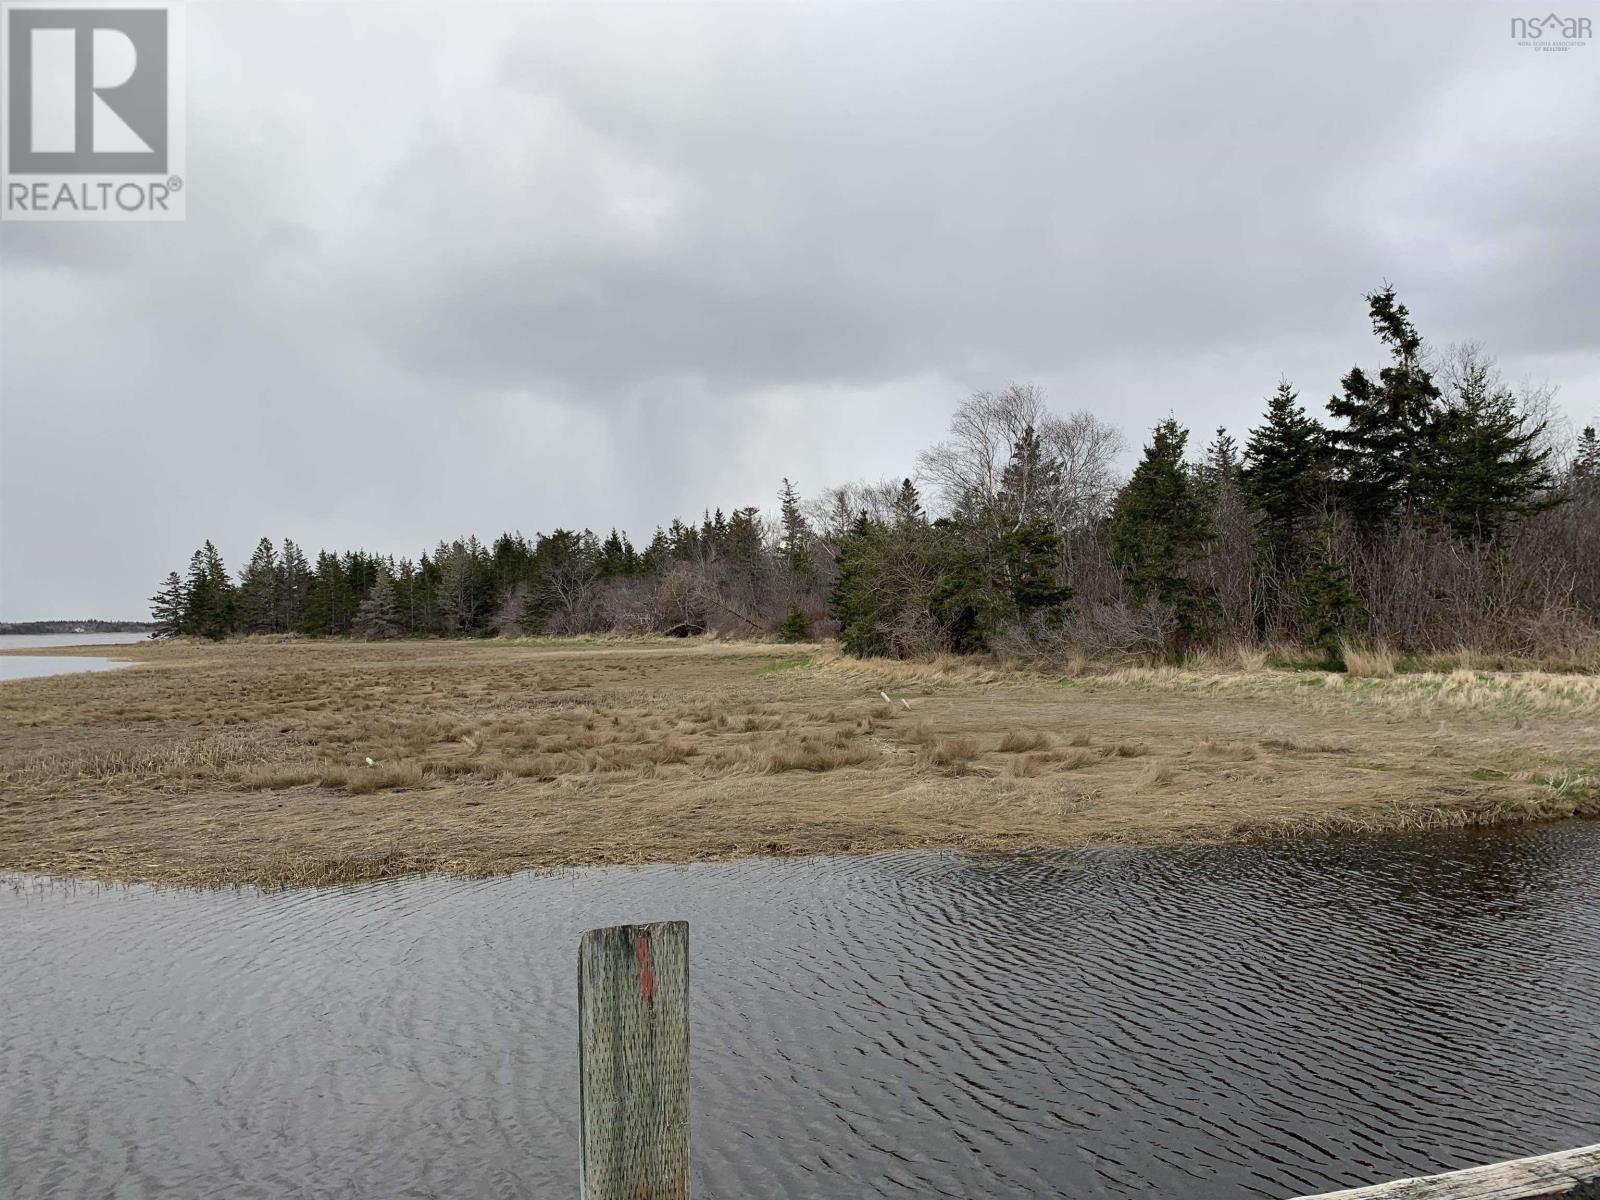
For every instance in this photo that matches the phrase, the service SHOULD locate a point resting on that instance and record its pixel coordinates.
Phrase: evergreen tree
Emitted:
(168, 607)
(196, 596)
(208, 596)
(259, 586)
(795, 539)
(1488, 464)
(796, 626)
(378, 615)
(741, 536)
(296, 581)
(1027, 557)
(853, 600)
(614, 556)
(329, 603)
(1386, 449)
(1285, 475)
(1221, 465)
(1028, 477)
(1159, 526)
(1328, 603)
(908, 505)
(1586, 464)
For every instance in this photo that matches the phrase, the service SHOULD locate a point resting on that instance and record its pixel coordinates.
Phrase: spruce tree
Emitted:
(854, 600)
(796, 626)
(1489, 466)
(328, 599)
(613, 558)
(1329, 607)
(908, 505)
(296, 579)
(1029, 476)
(1159, 526)
(168, 607)
(259, 586)
(208, 596)
(1221, 465)
(378, 616)
(1385, 450)
(1027, 557)
(795, 543)
(197, 603)
(1285, 475)
(1586, 463)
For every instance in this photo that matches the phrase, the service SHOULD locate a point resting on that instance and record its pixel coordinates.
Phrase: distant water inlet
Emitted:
(1266, 1021)
(34, 666)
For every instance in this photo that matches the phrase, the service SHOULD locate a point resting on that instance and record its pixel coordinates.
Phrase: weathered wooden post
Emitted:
(633, 1062)
(1567, 1175)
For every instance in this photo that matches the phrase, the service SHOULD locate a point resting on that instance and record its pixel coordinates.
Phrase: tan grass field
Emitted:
(305, 763)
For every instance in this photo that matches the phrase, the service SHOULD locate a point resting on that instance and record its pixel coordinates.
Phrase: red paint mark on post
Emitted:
(647, 976)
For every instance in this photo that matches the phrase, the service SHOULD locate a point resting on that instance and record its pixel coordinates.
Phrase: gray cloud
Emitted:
(455, 269)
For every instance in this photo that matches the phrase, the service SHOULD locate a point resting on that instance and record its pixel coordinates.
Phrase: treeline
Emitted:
(1433, 509)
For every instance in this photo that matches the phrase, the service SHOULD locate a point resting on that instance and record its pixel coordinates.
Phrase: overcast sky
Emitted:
(454, 268)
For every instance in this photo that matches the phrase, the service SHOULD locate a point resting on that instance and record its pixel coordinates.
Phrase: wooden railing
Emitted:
(633, 1069)
(1568, 1175)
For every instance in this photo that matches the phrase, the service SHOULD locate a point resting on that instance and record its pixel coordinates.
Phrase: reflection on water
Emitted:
(1208, 1023)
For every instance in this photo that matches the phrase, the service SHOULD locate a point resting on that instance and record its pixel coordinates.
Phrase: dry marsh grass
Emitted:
(309, 763)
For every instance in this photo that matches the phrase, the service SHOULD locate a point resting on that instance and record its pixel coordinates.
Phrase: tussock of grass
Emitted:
(1368, 662)
(1156, 775)
(360, 781)
(1017, 740)
(1027, 766)
(815, 756)
(951, 752)
(1075, 759)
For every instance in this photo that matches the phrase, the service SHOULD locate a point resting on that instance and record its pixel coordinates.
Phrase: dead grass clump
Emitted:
(1027, 766)
(274, 778)
(1074, 759)
(1125, 750)
(1369, 662)
(814, 756)
(951, 752)
(361, 781)
(1156, 775)
(1016, 741)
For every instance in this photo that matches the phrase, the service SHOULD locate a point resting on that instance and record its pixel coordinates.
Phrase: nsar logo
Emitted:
(1551, 32)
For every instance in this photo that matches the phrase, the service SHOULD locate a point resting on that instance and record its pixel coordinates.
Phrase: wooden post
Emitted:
(1569, 1175)
(633, 1062)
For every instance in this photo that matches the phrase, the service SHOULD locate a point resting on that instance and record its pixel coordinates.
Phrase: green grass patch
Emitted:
(785, 665)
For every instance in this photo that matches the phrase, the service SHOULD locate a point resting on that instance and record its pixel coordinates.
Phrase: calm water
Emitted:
(1214, 1023)
(35, 665)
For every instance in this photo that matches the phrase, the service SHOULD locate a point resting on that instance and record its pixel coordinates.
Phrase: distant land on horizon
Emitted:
(85, 626)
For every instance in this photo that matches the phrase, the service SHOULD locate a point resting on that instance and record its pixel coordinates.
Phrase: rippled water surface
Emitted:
(1209, 1023)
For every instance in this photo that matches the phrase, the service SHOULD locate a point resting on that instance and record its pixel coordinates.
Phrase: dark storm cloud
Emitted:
(456, 269)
